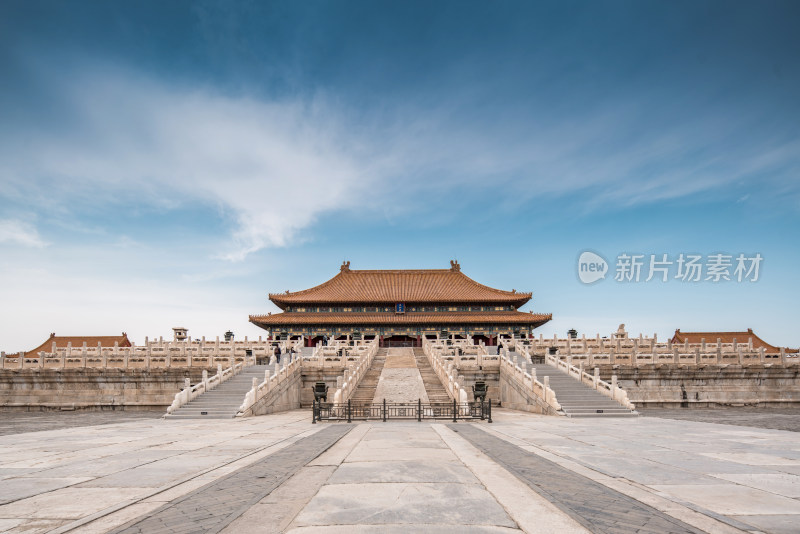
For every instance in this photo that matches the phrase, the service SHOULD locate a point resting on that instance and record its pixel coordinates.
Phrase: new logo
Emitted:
(591, 267)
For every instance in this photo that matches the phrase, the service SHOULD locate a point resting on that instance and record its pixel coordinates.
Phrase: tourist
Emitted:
(499, 347)
(277, 354)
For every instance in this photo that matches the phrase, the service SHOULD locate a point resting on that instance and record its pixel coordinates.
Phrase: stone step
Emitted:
(223, 401)
(433, 386)
(192, 416)
(588, 402)
(576, 398)
(365, 391)
(226, 413)
(627, 413)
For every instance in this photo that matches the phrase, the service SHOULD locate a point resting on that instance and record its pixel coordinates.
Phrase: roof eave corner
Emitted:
(276, 299)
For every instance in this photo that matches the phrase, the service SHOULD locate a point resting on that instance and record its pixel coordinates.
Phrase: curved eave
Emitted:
(435, 286)
(521, 300)
(292, 318)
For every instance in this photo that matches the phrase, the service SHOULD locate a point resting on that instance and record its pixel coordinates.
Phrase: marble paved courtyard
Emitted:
(280, 473)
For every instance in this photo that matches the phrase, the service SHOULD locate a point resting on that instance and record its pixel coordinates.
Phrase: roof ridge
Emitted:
(400, 285)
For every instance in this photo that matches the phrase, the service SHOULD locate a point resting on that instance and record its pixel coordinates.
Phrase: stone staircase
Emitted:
(365, 391)
(433, 386)
(578, 399)
(223, 401)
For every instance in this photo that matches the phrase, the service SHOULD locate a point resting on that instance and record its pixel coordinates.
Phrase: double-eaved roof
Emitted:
(435, 286)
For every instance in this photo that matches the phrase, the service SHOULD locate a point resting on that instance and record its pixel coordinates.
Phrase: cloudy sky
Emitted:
(171, 163)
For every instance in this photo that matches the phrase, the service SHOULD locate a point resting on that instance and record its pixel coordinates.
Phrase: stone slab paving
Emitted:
(18, 422)
(214, 506)
(595, 506)
(403, 476)
(742, 477)
(760, 417)
(63, 478)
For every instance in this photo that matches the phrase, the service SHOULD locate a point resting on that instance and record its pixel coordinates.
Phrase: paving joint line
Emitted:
(179, 510)
(161, 489)
(588, 513)
(739, 525)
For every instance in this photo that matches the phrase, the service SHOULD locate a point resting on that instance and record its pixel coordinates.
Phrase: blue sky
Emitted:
(166, 164)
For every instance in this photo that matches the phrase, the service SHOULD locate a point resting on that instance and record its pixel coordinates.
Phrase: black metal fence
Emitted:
(324, 411)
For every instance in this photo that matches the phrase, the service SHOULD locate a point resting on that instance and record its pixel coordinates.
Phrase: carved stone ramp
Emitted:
(595, 506)
(223, 401)
(400, 381)
(433, 386)
(365, 391)
(576, 398)
(214, 506)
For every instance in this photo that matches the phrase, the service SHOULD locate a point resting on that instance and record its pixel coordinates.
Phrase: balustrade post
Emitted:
(596, 377)
(614, 387)
(547, 389)
(783, 356)
(761, 354)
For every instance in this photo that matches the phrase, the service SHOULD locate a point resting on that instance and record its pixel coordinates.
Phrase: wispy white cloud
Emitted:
(20, 233)
(273, 168)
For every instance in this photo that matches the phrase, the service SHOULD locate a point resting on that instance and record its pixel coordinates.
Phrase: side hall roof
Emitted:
(727, 337)
(78, 341)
